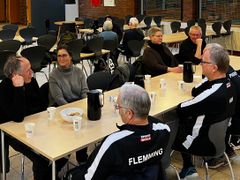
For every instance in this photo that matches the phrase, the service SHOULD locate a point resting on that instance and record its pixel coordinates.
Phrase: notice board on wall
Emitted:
(109, 3)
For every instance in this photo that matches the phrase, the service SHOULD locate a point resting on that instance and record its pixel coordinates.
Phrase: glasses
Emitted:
(205, 62)
(117, 107)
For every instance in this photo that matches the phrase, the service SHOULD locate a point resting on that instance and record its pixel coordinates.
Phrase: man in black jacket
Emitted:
(19, 97)
(214, 100)
(135, 151)
(191, 49)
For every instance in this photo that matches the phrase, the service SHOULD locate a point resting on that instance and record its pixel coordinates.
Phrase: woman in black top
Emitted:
(157, 58)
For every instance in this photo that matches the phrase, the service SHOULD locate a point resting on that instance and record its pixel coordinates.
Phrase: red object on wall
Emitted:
(96, 2)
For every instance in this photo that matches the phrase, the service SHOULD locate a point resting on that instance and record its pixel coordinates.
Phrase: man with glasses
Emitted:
(21, 96)
(214, 100)
(191, 49)
(133, 152)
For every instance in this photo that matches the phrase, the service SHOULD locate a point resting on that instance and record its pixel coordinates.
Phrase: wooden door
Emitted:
(2, 11)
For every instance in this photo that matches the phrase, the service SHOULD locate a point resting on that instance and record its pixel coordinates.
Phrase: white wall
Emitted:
(71, 11)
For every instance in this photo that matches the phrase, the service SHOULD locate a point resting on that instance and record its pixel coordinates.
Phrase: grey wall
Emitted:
(42, 9)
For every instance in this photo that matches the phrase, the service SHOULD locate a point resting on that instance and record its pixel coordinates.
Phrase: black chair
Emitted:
(127, 18)
(100, 21)
(140, 17)
(175, 26)
(99, 80)
(11, 26)
(27, 34)
(201, 20)
(227, 26)
(37, 57)
(191, 22)
(147, 20)
(7, 34)
(3, 58)
(75, 47)
(217, 29)
(203, 26)
(95, 45)
(88, 23)
(157, 20)
(47, 41)
(68, 27)
(11, 45)
(111, 45)
(135, 47)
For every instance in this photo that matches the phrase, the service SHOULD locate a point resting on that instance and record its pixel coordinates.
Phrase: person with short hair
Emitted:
(214, 100)
(135, 151)
(108, 34)
(157, 58)
(20, 96)
(191, 49)
(133, 33)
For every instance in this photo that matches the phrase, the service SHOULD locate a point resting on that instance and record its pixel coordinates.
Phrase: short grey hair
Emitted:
(136, 98)
(218, 56)
(107, 25)
(133, 21)
(153, 30)
(196, 27)
(12, 65)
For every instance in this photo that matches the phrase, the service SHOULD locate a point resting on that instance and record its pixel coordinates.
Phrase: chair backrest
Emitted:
(227, 26)
(27, 34)
(136, 69)
(135, 47)
(7, 34)
(88, 23)
(217, 133)
(11, 26)
(99, 80)
(127, 18)
(157, 20)
(191, 22)
(217, 28)
(110, 45)
(3, 58)
(175, 26)
(201, 20)
(47, 41)
(100, 21)
(140, 17)
(203, 26)
(148, 20)
(68, 27)
(95, 45)
(11, 45)
(75, 47)
(36, 55)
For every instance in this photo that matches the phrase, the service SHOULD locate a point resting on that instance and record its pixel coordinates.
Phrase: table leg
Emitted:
(3, 157)
(53, 170)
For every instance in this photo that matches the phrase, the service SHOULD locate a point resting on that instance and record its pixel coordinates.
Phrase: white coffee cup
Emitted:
(163, 84)
(51, 113)
(147, 77)
(152, 96)
(77, 122)
(180, 85)
(29, 129)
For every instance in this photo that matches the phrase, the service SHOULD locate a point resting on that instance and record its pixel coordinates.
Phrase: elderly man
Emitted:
(133, 33)
(135, 151)
(191, 49)
(108, 34)
(20, 96)
(213, 101)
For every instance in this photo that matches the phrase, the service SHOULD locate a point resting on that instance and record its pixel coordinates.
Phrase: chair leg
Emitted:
(206, 170)
(230, 166)
(178, 177)
(22, 167)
